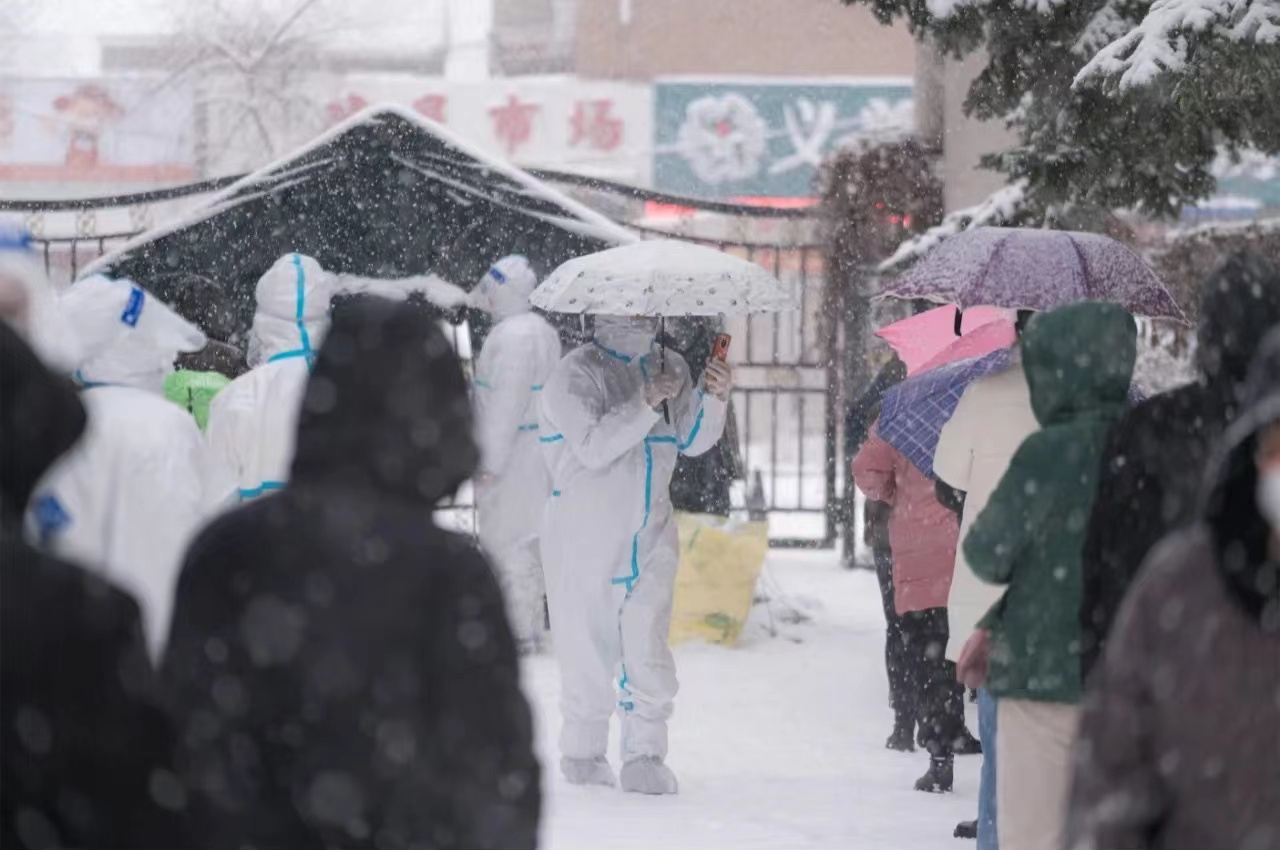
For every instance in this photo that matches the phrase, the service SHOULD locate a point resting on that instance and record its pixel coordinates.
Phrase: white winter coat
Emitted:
(992, 420)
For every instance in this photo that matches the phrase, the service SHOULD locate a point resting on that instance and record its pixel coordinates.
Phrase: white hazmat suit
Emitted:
(609, 543)
(253, 420)
(518, 358)
(132, 493)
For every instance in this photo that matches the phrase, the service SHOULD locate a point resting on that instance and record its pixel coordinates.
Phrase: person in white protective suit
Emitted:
(609, 544)
(253, 420)
(130, 496)
(513, 486)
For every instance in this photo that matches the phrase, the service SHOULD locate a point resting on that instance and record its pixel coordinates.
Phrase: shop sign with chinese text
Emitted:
(729, 138)
(589, 127)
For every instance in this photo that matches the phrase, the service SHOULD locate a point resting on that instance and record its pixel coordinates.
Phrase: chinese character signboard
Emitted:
(727, 139)
(77, 131)
(597, 128)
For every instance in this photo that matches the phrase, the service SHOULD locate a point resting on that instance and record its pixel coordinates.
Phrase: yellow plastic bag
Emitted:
(720, 561)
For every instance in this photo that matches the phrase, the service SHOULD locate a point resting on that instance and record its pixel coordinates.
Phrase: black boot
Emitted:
(966, 829)
(966, 744)
(940, 777)
(903, 738)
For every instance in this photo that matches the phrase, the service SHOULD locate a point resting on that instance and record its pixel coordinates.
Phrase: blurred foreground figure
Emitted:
(29, 304)
(86, 750)
(609, 542)
(1153, 472)
(1180, 739)
(512, 489)
(342, 668)
(252, 422)
(128, 499)
(1079, 363)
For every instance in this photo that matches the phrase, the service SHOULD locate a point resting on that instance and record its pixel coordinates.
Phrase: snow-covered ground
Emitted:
(777, 743)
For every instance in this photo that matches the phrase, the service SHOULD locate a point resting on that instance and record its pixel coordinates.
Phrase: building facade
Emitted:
(642, 39)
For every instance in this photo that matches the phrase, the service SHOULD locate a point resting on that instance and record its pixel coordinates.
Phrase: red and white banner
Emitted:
(597, 128)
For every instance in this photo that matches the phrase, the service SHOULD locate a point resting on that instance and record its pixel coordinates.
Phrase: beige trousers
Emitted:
(1033, 777)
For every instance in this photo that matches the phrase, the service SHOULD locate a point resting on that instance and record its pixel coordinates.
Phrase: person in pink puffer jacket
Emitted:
(923, 535)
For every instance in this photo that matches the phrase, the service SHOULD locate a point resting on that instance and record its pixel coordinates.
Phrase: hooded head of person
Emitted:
(291, 314)
(1079, 362)
(1243, 504)
(129, 338)
(30, 306)
(504, 290)
(1240, 302)
(293, 297)
(387, 407)
(41, 418)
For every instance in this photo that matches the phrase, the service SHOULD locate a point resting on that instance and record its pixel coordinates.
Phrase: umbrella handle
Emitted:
(662, 363)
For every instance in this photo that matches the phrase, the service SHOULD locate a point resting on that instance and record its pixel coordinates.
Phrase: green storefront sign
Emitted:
(721, 138)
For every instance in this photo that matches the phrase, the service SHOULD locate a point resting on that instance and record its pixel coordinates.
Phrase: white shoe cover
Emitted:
(648, 775)
(594, 771)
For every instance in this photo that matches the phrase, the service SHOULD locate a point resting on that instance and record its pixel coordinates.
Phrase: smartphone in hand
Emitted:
(720, 350)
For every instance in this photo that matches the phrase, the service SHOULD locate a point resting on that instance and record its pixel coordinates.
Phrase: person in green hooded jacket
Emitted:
(1079, 363)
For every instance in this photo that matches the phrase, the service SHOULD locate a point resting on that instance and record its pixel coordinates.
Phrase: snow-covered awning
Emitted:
(385, 194)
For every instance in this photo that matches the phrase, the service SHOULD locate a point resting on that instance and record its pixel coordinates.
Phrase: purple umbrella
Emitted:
(1024, 269)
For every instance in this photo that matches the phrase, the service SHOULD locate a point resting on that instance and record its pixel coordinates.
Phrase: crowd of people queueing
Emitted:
(1101, 576)
(232, 621)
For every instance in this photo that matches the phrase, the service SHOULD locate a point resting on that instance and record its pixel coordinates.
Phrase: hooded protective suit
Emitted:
(518, 357)
(130, 496)
(252, 422)
(609, 543)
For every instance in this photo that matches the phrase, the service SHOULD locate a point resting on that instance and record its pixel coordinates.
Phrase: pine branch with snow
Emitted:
(1003, 207)
(1150, 148)
(1166, 38)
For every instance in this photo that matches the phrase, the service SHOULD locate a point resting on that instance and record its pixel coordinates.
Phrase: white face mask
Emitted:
(1268, 496)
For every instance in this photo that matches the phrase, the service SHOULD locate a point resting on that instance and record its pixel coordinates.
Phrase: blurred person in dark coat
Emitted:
(1179, 743)
(1154, 462)
(342, 668)
(87, 751)
(206, 305)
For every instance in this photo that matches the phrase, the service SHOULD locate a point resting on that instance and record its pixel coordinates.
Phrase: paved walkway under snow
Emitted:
(778, 743)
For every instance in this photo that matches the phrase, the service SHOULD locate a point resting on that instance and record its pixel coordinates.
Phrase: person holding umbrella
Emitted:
(616, 414)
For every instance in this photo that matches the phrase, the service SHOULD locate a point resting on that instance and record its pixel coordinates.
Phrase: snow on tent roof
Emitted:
(386, 193)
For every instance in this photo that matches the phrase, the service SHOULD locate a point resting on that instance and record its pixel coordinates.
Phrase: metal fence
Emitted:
(785, 399)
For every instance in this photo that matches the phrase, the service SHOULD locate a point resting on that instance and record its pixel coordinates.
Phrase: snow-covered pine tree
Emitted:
(1107, 142)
